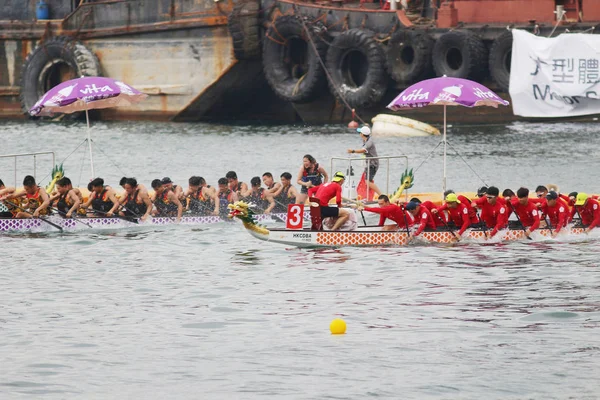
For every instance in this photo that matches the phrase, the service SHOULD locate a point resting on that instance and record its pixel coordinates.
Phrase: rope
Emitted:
(341, 96)
(466, 163)
(295, 91)
(65, 159)
(109, 159)
(81, 170)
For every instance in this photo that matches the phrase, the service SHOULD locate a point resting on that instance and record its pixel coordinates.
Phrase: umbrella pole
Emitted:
(89, 139)
(444, 140)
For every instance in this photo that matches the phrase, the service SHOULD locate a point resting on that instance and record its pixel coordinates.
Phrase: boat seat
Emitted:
(315, 214)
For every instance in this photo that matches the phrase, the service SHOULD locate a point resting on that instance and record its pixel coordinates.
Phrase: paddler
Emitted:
(589, 211)
(136, 201)
(103, 199)
(166, 202)
(261, 200)
(36, 201)
(67, 201)
(421, 216)
(226, 196)
(239, 188)
(270, 183)
(557, 212)
(310, 177)
(438, 218)
(494, 212)
(458, 213)
(201, 200)
(386, 211)
(369, 150)
(526, 210)
(286, 194)
(4, 209)
(169, 185)
(328, 191)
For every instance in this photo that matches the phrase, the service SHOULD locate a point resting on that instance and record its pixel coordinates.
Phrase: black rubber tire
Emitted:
(500, 58)
(244, 27)
(409, 56)
(290, 62)
(346, 57)
(460, 54)
(39, 72)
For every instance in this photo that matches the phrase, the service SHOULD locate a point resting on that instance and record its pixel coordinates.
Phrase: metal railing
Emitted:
(34, 155)
(354, 160)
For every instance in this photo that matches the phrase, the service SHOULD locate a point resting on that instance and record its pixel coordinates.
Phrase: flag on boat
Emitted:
(558, 77)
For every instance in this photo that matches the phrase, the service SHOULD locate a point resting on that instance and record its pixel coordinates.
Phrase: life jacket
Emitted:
(164, 206)
(64, 203)
(34, 202)
(135, 207)
(313, 176)
(259, 201)
(282, 200)
(225, 198)
(101, 202)
(200, 205)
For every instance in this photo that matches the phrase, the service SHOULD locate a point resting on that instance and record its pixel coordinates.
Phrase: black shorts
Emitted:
(329, 212)
(370, 172)
(6, 214)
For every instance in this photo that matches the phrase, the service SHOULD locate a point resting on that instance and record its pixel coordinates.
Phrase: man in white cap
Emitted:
(369, 151)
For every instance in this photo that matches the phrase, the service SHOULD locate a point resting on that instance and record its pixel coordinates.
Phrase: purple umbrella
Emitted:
(446, 91)
(83, 94)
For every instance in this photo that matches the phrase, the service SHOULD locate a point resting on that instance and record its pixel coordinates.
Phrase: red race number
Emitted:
(295, 216)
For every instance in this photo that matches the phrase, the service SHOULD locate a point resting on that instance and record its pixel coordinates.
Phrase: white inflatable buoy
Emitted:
(393, 125)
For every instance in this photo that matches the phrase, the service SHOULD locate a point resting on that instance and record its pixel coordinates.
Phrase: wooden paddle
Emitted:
(519, 219)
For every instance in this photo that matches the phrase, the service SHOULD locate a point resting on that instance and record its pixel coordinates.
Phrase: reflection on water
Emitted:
(171, 312)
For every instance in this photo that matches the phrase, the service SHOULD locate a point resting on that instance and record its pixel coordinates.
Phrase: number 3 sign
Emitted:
(295, 216)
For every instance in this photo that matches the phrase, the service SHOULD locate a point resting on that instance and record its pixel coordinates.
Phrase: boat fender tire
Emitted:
(290, 62)
(51, 62)
(460, 54)
(244, 27)
(409, 56)
(500, 59)
(356, 64)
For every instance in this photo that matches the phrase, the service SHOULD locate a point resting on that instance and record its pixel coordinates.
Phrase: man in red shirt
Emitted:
(465, 202)
(458, 213)
(493, 210)
(328, 191)
(526, 210)
(421, 215)
(589, 211)
(389, 211)
(557, 212)
(438, 219)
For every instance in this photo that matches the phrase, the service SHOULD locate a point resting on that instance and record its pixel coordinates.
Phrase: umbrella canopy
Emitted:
(83, 94)
(86, 93)
(445, 91)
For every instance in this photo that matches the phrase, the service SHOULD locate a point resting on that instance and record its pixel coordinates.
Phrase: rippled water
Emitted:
(209, 312)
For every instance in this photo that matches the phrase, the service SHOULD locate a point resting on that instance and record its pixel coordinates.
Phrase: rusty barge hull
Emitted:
(172, 50)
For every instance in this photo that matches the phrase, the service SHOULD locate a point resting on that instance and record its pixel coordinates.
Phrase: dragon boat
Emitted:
(55, 223)
(376, 236)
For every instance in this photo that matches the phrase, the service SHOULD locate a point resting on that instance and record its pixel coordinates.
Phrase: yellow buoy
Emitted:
(337, 327)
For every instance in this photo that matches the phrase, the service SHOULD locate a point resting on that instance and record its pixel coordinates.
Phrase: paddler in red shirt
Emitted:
(526, 210)
(391, 212)
(465, 202)
(421, 215)
(458, 213)
(438, 219)
(556, 212)
(589, 211)
(328, 191)
(493, 210)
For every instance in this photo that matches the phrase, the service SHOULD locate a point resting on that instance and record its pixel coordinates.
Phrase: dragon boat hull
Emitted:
(69, 224)
(373, 236)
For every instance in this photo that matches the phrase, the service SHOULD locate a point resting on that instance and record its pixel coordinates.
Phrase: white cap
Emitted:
(365, 130)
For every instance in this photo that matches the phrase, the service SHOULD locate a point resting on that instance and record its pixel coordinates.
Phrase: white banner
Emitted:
(558, 77)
